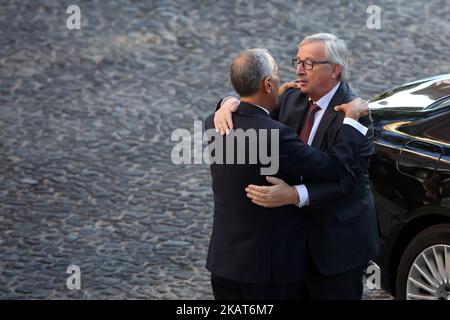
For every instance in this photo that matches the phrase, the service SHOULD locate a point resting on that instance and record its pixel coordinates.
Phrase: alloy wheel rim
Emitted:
(429, 275)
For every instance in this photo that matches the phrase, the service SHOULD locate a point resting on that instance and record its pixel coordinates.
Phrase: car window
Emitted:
(439, 129)
(442, 104)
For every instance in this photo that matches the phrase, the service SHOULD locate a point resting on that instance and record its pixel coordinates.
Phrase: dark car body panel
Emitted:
(410, 170)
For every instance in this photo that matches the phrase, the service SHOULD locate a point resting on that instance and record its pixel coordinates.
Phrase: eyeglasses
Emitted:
(307, 64)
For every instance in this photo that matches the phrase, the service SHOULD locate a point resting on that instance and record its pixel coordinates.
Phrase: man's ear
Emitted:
(335, 74)
(268, 85)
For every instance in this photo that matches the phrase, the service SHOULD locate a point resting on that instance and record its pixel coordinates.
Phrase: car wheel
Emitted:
(424, 269)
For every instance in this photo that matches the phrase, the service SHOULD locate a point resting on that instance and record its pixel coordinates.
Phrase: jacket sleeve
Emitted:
(337, 166)
(325, 192)
(218, 105)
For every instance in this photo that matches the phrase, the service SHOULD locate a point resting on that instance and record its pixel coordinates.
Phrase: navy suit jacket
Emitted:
(253, 244)
(341, 226)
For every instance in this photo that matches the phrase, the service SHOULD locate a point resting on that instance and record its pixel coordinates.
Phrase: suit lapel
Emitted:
(329, 115)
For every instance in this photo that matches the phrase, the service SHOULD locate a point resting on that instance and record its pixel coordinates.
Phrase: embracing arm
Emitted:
(320, 192)
(313, 193)
(297, 158)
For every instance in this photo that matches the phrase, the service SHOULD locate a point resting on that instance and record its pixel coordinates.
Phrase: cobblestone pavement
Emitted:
(86, 118)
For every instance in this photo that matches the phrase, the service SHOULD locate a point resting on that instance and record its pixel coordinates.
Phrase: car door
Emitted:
(424, 162)
(443, 178)
(439, 131)
(417, 164)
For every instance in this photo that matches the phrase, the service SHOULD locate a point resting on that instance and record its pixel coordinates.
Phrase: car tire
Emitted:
(431, 236)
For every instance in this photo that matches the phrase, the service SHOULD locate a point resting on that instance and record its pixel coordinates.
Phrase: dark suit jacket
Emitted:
(253, 244)
(341, 227)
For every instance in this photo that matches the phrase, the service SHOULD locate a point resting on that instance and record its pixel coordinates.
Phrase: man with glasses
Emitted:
(341, 228)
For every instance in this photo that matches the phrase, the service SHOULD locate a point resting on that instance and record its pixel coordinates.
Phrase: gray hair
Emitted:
(335, 50)
(249, 68)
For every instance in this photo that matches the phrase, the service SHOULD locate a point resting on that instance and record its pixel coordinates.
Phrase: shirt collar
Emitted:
(325, 100)
(262, 108)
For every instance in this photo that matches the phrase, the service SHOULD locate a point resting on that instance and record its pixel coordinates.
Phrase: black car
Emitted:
(410, 174)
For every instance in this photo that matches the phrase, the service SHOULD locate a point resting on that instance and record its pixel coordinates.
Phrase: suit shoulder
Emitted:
(349, 95)
(259, 121)
(209, 122)
(291, 92)
(284, 129)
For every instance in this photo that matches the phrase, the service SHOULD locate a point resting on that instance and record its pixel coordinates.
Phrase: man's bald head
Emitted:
(249, 68)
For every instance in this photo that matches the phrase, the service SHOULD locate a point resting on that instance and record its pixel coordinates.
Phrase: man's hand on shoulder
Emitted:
(222, 117)
(288, 85)
(355, 109)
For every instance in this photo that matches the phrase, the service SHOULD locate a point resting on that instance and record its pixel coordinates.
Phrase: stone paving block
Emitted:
(86, 118)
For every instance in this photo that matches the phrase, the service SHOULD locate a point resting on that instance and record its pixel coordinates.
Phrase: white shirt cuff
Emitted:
(303, 195)
(355, 124)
